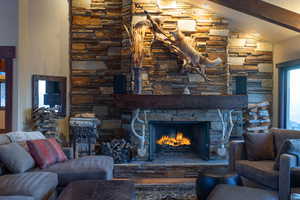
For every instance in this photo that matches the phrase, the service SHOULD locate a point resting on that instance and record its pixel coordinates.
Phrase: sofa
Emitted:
(262, 173)
(43, 184)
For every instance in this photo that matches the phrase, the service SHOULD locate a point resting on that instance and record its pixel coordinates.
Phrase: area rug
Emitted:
(185, 191)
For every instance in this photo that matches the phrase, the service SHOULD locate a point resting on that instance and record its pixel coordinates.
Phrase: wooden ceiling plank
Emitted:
(264, 11)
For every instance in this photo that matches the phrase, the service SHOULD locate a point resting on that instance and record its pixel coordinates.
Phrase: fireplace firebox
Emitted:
(177, 138)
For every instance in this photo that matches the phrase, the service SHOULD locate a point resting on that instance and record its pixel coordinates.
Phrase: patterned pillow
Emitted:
(46, 152)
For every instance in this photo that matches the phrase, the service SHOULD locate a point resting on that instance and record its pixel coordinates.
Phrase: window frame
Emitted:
(283, 69)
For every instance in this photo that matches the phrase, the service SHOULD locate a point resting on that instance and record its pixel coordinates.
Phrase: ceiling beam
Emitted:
(264, 11)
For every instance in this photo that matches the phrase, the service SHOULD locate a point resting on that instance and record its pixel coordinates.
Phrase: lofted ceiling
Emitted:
(241, 22)
(292, 5)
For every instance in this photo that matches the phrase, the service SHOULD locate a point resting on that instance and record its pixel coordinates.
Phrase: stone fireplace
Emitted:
(100, 50)
(175, 139)
(202, 127)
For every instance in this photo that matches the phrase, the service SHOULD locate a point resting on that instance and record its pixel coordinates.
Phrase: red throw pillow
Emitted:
(46, 152)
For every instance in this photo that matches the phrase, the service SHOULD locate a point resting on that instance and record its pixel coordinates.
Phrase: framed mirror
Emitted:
(49, 91)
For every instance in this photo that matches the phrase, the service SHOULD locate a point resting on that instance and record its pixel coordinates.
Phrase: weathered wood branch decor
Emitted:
(141, 137)
(193, 61)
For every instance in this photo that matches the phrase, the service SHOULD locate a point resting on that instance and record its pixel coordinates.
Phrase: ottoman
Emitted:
(99, 190)
(229, 192)
(210, 177)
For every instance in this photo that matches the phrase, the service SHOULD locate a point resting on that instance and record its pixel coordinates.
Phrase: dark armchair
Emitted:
(262, 173)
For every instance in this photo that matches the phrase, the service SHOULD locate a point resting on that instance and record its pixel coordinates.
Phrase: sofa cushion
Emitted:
(35, 184)
(46, 152)
(281, 135)
(4, 139)
(291, 147)
(85, 168)
(259, 146)
(230, 192)
(16, 158)
(258, 171)
(21, 136)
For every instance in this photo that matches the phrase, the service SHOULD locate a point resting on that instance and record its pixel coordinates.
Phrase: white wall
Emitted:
(8, 22)
(283, 51)
(9, 37)
(43, 48)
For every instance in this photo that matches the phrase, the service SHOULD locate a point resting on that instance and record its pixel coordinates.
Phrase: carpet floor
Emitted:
(165, 189)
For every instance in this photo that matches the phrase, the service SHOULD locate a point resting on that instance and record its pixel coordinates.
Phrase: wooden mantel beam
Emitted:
(264, 11)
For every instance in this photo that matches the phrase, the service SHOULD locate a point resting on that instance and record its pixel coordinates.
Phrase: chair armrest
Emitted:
(16, 198)
(295, 179)
(69, 152)
(237, 151)
(287, 162)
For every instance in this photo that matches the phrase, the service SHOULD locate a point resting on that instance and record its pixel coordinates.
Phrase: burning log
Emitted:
(178, 140)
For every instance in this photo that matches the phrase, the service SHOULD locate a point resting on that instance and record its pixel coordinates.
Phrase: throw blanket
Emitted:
(20, 136)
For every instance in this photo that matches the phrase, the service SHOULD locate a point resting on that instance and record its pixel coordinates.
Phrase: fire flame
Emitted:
(178, 140)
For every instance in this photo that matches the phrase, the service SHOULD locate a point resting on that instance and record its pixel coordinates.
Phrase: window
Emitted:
(290, 95)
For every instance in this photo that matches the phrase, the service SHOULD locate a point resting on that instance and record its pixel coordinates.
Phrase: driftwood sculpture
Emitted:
(141, 137)
(193, 61)
(227, 127)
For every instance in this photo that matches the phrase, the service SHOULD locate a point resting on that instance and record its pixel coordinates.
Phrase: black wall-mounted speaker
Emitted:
(241, 86)
(120, 84)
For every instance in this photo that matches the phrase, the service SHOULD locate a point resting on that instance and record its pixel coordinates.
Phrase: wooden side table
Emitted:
(210, 177)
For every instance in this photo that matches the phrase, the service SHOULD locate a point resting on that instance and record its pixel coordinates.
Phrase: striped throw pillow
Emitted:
(46, 152)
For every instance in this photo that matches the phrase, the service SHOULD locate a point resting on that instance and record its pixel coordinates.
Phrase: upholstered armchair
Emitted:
(262, 172)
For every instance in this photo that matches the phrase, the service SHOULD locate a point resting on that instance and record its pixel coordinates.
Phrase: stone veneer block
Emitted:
(114, 51)
(86, 21)
(89, 65)
(237, 42)
(166, 4)
(100, 111)
(136, 19)
(86, 4)
(265, 67)
(106, 90)
(236, 60)
(186, 25)
(195, 78)
(168, 64)
(267, 83)
(110, 124)
(219, 32)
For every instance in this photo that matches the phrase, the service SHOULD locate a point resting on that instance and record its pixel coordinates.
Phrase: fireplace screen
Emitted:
(179, 138)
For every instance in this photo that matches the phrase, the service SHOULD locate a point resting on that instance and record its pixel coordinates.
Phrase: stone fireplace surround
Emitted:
(190, 115)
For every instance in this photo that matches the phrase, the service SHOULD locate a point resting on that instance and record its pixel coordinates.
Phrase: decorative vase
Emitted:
(137, 80)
